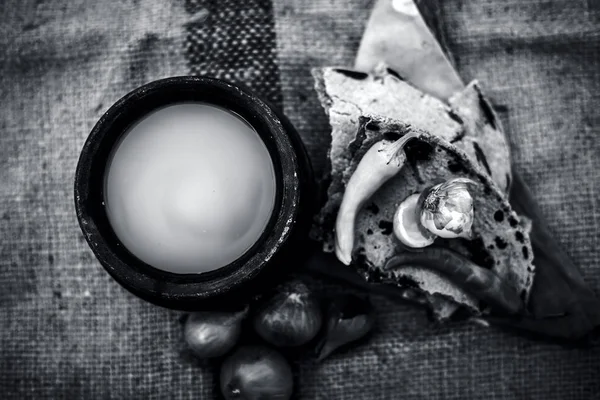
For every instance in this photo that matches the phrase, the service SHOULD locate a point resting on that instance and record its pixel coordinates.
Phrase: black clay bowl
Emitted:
(275, 253)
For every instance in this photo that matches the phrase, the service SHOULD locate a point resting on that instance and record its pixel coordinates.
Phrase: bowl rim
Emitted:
(156, 285)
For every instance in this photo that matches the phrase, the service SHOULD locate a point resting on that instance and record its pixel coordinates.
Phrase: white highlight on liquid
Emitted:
(190, 188)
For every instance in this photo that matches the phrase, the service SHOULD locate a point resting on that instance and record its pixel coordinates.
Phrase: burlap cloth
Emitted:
(68, 331)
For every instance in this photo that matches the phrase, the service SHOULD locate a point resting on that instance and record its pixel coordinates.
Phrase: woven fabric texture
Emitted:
(236, 42)
(67, 330)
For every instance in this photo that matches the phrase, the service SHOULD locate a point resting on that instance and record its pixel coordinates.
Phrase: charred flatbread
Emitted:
(360, 117)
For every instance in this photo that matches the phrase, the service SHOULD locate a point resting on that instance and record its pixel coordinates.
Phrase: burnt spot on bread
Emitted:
(481, 158)
(501, 108)
(508, 182)
(500, 243)
(454, 167)
(391, 135)
(417, 174)
(369, 231)
(386, 227)
(482, 179)
(488, 112)
(352, 74)
(361, 262)
(361, 136)
(513, 222)
(394, 73)
(418, 151)
(525, 252)
(499, 216)
(491, 247)
(373, 208)
(519, 236)
(403, 280)
(479, 254)
(523, 296)
(455, 117)
(455, 164)
(372, 126)
(367, 271)
(459, 136)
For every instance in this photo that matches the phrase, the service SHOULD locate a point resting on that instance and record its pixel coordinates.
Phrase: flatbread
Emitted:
(484, 139)
(346, 94)
(357, 104)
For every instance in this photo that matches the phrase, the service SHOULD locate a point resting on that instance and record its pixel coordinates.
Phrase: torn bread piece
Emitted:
(500, 242)
(484, 135)
(468, 122)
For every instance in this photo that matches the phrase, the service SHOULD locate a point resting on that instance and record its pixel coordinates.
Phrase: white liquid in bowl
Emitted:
(190, 188)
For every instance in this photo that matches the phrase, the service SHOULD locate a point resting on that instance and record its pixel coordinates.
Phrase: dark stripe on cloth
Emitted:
(236, 42)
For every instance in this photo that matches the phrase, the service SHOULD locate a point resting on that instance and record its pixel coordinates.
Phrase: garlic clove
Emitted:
(406, 224)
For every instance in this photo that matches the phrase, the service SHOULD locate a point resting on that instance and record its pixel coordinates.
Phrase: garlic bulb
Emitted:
(447, 209)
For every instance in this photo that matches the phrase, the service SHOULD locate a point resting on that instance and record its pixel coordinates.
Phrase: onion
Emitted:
(256, 373)
(291, 317)
(213, 333)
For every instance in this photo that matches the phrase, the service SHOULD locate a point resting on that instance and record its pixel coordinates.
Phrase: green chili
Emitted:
(478, 281)
(379, 164)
